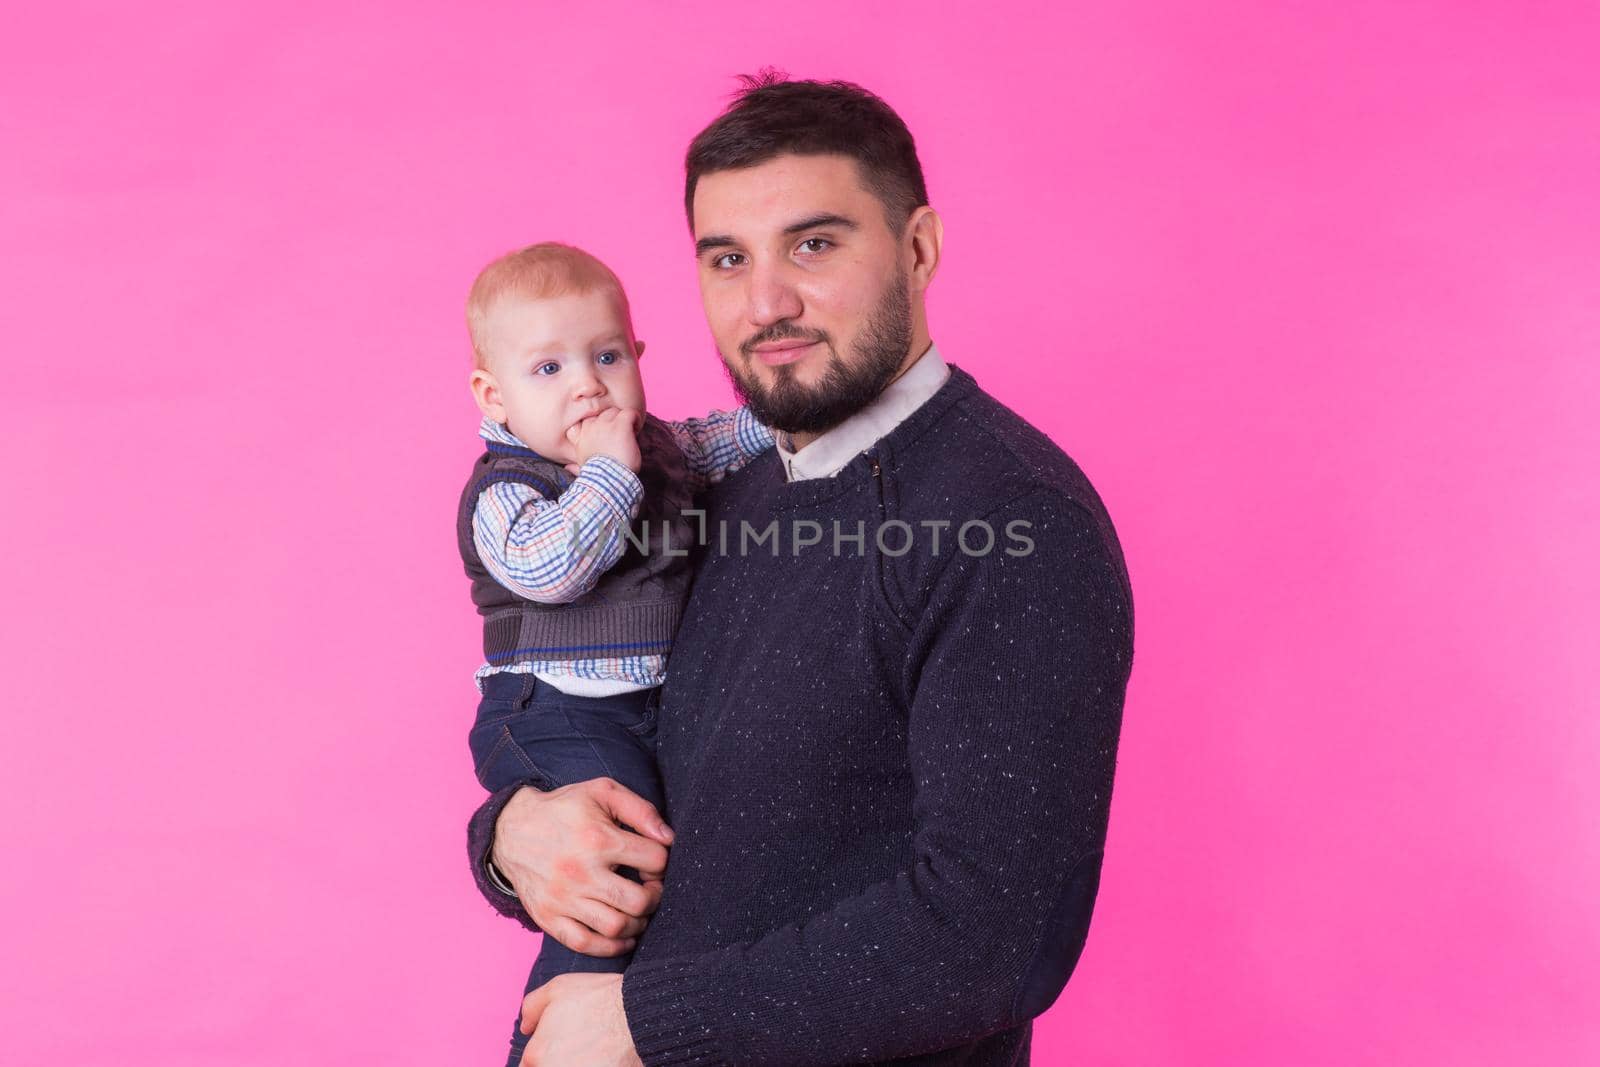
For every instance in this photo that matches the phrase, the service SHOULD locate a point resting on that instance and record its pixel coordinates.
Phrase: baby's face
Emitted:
(555, 362)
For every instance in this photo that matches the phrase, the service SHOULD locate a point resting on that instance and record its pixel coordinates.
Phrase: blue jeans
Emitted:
(527, 727)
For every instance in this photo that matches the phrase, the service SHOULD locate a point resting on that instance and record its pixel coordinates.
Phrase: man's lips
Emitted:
(778, 353)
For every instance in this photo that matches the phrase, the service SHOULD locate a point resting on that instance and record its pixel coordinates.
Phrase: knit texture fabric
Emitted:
(891, 788)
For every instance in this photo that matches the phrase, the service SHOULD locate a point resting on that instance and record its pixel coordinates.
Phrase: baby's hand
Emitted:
(614, 432)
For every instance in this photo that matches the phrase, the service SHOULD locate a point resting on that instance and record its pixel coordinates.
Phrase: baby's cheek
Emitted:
(541, 437)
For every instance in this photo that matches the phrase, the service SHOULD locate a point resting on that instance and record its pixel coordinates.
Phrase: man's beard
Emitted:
(845, 388)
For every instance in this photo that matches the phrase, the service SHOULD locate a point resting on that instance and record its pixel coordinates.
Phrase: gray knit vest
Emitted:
(634, 608)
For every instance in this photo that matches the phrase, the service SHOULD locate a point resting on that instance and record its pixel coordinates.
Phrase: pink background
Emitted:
(1313, 295)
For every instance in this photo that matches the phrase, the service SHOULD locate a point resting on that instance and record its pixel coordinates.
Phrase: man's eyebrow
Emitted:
(716, 240)
(819, 222)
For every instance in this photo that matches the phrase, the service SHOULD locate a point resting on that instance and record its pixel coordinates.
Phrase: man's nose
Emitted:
(772, 296)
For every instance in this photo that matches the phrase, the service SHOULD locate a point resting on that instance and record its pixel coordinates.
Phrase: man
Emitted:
(887, 739)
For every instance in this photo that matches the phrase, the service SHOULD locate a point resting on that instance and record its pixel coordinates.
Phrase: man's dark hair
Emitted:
(773, 117)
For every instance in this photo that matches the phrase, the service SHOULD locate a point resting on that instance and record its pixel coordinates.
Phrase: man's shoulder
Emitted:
(975, 461)
(976, 455)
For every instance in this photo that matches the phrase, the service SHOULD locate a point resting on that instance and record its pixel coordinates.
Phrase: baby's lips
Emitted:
(572, 430)
(592, 415)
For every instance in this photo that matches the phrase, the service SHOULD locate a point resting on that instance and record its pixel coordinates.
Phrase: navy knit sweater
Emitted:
(889, 770)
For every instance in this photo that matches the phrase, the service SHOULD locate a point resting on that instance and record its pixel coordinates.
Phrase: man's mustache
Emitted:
(783, 330)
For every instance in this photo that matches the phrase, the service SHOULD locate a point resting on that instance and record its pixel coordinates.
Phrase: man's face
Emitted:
(804, 286)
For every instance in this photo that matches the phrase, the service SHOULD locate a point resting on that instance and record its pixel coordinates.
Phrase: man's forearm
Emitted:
(896, 971)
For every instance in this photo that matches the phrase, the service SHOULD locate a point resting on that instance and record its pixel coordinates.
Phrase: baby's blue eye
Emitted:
(607, 358)
(547, 368)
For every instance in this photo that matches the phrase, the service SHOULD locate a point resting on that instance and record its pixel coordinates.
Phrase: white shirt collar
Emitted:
(828, 454)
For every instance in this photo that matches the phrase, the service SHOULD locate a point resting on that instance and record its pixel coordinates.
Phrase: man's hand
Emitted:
(577, 1021)
(614, 432)
(560, 848)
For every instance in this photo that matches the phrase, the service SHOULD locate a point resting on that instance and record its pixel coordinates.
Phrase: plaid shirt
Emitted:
(554, 551)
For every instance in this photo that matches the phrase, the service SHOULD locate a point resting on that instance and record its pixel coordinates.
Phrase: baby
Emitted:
(578, 616)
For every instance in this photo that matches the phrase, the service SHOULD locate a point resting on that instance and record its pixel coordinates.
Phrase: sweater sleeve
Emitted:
(1020, 665)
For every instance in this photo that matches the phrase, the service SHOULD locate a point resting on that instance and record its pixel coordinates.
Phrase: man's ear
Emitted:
(638, 348)
(486, 391)
(925, 232)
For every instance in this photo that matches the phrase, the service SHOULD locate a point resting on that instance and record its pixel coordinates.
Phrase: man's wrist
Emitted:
(530, 793)
(481, 852)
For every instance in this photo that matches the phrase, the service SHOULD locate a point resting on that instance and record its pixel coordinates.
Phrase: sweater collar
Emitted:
(826, 456)
(884, 455)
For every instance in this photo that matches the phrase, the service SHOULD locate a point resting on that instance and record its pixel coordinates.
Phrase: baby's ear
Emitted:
(486, 391)
(638, 348)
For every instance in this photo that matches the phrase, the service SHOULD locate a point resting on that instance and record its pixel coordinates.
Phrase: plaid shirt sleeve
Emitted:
(554, 551)
(720, 443)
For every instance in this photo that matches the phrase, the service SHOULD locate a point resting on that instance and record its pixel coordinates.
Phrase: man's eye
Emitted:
(816, 244)
(607, 358)
(725, 261)
(547, 368)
